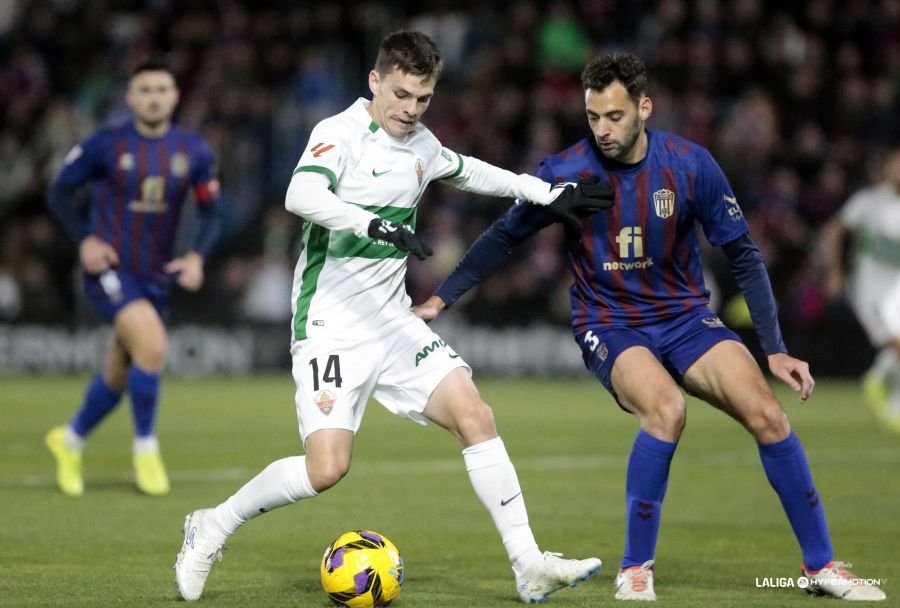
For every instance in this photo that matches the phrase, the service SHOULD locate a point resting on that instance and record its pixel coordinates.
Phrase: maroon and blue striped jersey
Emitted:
(139, 186)
(641, 260)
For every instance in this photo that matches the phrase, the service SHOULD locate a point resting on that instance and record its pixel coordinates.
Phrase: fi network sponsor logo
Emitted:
(631, 245)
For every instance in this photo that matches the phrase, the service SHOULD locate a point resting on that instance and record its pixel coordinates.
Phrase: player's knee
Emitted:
(666, 417)
(325, 473)
(769, 423)
(151, 354)
(475, 422)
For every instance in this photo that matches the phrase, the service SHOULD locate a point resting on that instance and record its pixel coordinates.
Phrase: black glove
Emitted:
(586, 198)
(400, 236)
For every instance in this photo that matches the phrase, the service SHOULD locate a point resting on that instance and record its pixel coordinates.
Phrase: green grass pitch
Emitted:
(723, 531)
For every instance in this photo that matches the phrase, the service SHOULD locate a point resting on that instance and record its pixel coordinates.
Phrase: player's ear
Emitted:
(374, 79)
(645, 108)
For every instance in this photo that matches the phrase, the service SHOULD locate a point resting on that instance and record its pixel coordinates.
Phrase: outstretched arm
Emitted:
(486, 255)
(750, 271)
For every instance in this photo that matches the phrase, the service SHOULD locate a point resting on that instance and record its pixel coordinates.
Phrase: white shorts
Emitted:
(400, 367)
(875, 296)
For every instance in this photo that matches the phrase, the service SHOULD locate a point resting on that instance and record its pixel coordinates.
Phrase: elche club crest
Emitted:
(664, 203)
(420, 170)
(324, 400)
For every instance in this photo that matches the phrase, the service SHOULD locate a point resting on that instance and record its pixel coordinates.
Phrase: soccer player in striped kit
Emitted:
(140, 174)
(640, 313)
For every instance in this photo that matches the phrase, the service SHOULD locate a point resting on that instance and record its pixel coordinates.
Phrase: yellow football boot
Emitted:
(150, 474)
(68, 462)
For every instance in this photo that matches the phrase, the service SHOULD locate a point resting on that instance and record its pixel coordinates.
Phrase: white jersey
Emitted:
(873, 214)
(342, 281)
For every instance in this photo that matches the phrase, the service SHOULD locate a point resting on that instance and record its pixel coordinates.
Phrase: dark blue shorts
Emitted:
(676, 342)
(111, 291)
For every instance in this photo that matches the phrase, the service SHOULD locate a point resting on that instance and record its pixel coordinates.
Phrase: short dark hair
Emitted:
(410, 52)
(152, 64)
(627, 68)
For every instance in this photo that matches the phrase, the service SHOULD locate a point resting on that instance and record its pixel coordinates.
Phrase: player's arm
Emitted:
(724, 226)
(310, 197)
(749, 270)
(488, 253)
(188, 268)
(81, 165)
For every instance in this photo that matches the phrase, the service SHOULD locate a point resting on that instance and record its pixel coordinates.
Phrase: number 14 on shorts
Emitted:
(332, 371)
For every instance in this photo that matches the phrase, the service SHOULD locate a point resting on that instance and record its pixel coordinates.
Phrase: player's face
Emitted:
(399, 100)
(152, 96)
(617, 122)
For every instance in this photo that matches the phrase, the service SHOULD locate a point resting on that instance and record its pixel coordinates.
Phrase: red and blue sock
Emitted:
(788, 472)
(645, 488)
(143, 387)
(99, 400)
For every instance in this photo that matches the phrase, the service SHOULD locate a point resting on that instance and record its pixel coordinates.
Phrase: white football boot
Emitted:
(636, 583)
(197, 555)
(837, 580)
(551, 573)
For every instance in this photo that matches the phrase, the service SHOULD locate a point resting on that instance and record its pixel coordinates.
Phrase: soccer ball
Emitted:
(362, 569)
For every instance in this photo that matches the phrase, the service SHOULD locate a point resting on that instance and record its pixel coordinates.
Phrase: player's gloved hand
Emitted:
(584, 198)
(400, 236)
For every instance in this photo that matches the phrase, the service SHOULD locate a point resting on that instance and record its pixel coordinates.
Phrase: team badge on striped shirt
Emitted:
(664, 203)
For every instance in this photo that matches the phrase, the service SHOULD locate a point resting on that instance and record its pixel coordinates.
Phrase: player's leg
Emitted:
(728, 377)
(66, 443)
(423, 379)
(140, 329)
(643, 387)
(456, 406)
(882, 381)
(330, 405)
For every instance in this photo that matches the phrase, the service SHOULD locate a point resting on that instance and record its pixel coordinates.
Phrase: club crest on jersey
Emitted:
(664, 203)
(126, 161)
(420, 170)
(179, 164)
(324, 400)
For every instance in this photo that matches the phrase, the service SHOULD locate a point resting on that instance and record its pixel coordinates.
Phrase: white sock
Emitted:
(281, 483)
(885, 363)
(497, 485)
(73, 440)
(145, 445)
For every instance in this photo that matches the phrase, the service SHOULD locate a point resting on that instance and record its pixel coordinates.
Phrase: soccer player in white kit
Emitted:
(357, 185)
(872, 216)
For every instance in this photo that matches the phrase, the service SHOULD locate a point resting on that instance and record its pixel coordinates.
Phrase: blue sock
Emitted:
(99, 400)
(143, 387)
(645, 488)
(788, 472)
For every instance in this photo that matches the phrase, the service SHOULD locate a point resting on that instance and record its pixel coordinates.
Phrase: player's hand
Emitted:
(579, 198)
(794, 373)
(429, 310)
(400, 236)
(97, 256)
(188, 270)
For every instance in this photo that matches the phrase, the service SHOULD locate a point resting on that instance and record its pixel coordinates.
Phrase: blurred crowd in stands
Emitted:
(797, 100)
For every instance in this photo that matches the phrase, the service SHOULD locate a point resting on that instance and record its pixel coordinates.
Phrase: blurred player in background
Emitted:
(872, 217)
(640, 313)
(357, 186)
(140, 175)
